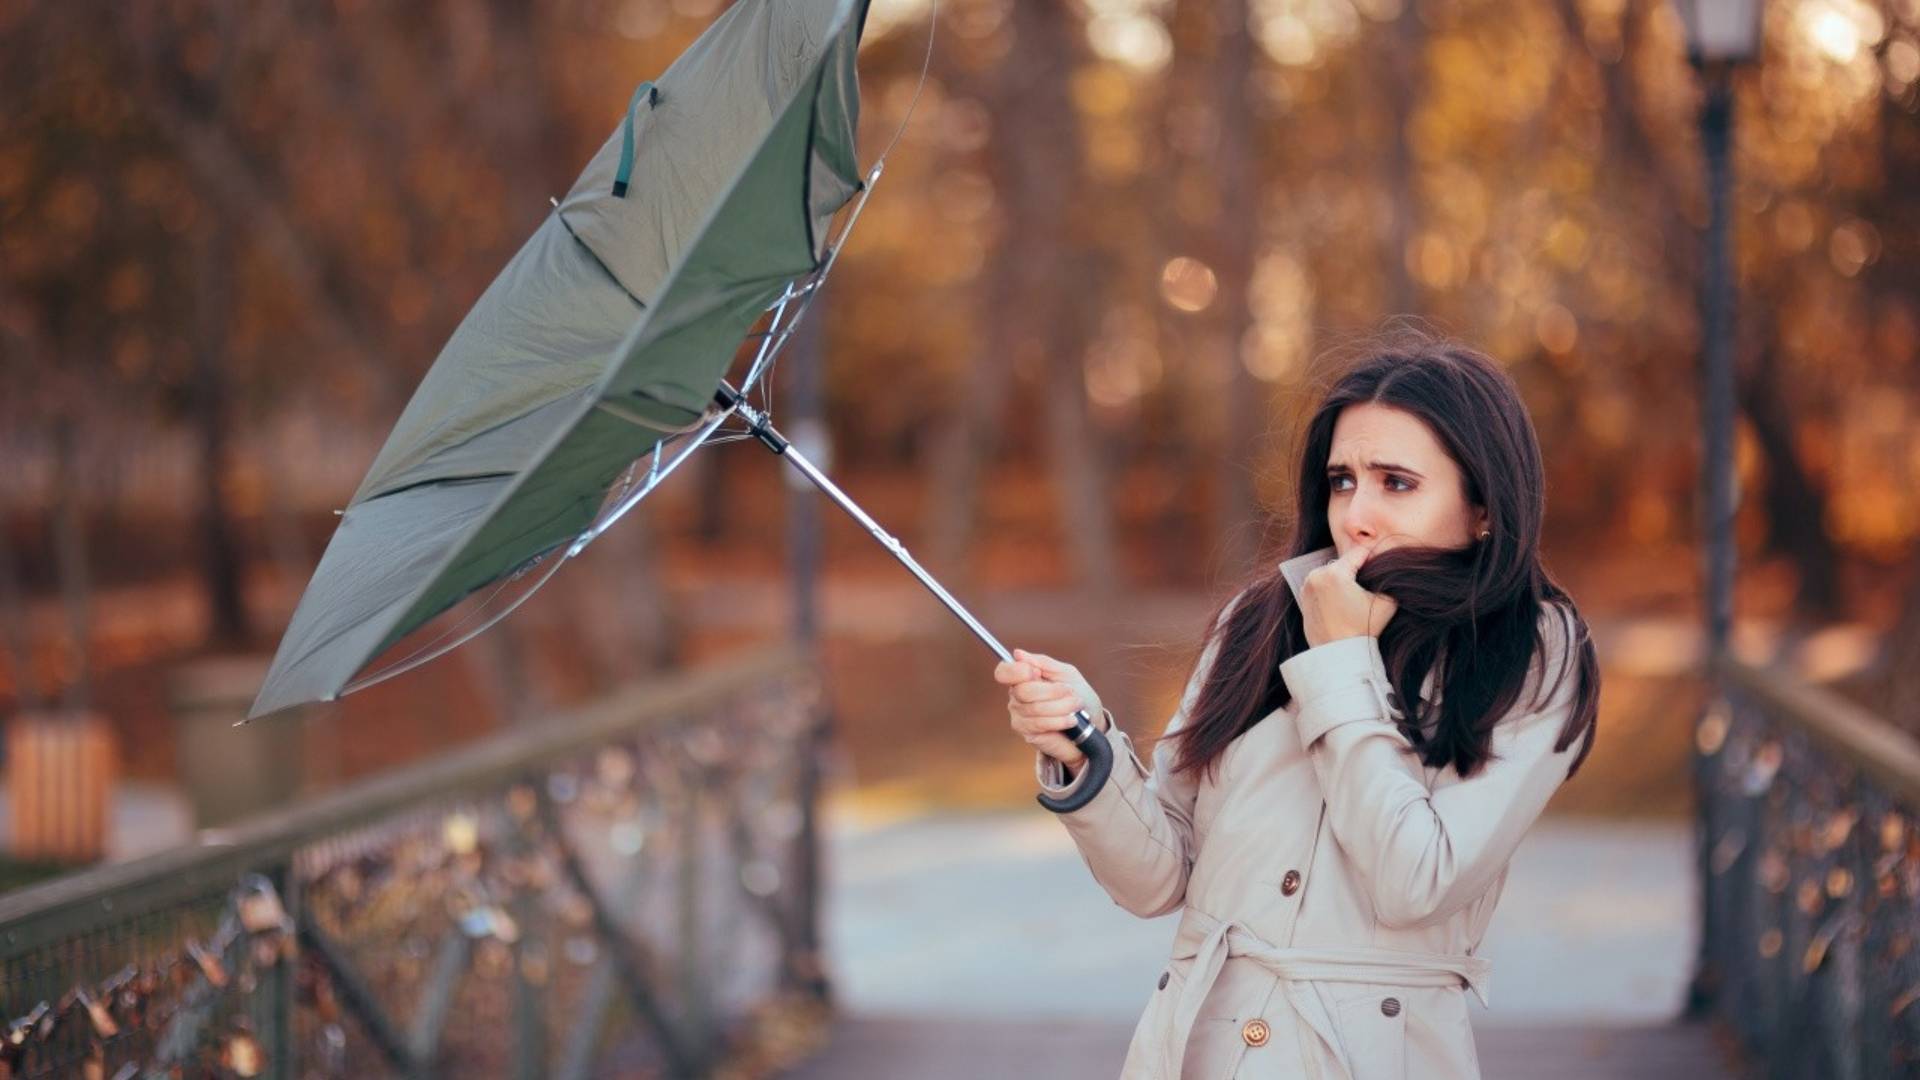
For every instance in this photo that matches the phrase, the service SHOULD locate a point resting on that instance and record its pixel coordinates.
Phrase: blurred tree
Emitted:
(1402, 72)
(213, 224)
(223, 569)
(1039, 300)
(76, 575)
(13, 623)
(1211, 142)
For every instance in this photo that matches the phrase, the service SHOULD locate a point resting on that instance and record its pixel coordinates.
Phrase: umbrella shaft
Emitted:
(764, 431)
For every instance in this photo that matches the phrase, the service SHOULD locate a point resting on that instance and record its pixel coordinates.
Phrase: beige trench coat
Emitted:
(1332, 890)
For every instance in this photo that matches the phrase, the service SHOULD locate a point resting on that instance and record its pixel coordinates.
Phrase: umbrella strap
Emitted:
(625, 173)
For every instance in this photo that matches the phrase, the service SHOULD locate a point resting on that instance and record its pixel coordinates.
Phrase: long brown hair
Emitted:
(1477, 612)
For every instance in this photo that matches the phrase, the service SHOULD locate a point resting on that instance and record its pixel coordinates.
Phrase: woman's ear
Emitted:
(1479, 521)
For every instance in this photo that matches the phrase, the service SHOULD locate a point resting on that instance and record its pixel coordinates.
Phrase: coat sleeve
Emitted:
(1427, 854)
(1136, 834)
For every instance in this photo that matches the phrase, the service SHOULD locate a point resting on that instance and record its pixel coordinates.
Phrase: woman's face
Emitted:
(1392, 484)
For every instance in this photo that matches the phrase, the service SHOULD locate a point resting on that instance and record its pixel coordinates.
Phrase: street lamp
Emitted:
(1721, 31)
(1722, 35)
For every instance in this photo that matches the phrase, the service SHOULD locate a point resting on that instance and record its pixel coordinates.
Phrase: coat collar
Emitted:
(1296, 569)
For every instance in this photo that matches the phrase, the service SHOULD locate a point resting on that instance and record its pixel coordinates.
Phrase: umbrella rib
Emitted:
(776, 332)
(768, 340)
(621, 412)
(926, 65)
(655, 476)
(438, 647)
(779, 333)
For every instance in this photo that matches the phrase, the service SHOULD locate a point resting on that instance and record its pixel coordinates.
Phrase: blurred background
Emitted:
(1121, 247)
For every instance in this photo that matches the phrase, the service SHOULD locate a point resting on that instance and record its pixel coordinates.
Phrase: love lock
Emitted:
(485, 921)
(260, 910)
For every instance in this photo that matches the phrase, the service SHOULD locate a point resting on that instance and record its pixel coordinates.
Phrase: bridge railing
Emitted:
(624, 889)
(1811, 871)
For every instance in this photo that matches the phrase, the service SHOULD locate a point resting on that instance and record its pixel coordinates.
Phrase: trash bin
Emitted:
(230, 773)
(60, 773)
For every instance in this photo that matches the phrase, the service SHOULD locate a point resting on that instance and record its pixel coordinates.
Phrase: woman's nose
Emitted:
(1359, 521)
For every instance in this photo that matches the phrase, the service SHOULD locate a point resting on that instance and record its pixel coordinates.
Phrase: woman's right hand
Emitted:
(1042, 696)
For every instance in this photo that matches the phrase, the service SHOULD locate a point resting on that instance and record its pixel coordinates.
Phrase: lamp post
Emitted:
(1722, 36)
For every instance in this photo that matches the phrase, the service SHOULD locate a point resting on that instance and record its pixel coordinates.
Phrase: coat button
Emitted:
(1255, 1033)
(1390, 1006)
(1290, 884)
(1163, 980)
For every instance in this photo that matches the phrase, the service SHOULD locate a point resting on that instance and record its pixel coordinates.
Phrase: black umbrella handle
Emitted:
(1099, 765)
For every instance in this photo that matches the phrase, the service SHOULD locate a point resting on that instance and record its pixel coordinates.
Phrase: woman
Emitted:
(1334, 856)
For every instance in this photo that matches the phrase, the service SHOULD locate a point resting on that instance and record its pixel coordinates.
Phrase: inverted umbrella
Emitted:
(596, 362)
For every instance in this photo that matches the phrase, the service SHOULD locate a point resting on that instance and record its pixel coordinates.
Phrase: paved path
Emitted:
(977, 946)
(923, 1048)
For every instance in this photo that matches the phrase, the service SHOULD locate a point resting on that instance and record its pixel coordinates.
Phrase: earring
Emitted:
(1486, 533)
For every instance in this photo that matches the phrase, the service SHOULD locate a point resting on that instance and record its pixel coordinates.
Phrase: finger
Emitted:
(1059, 748)
(1031, 692)
(1052, 708)
(1050, 667)
(1355, 557)
(1340, 569)
(1049, 710)
(1031, 725)
(1039, 661)
(1011, 672)
(1050, 692)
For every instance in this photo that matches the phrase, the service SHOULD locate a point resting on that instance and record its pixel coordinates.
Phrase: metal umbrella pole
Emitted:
(1088, 738)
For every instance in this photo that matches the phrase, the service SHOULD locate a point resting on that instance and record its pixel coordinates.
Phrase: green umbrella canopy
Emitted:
(606, 334)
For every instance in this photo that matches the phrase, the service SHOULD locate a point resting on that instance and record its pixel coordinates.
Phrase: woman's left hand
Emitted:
(1334, 606)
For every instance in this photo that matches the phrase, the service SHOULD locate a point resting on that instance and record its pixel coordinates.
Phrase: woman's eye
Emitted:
(1339, 483)
(1405, 484)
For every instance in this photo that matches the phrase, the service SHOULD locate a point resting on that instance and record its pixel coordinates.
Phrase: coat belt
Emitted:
(1213, 941)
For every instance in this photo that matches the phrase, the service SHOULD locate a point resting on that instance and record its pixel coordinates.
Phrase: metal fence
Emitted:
(1812, 879)
(627, 890)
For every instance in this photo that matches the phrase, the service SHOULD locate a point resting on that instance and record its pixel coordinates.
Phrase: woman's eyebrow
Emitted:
(1388, 466)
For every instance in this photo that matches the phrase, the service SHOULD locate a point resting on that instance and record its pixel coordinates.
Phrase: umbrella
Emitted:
(596, 362)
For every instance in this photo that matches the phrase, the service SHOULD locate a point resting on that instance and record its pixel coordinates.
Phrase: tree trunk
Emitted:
(1796, 507)
(1236, 239)
(70, 557)
(1041, 291)
(1063, 275)
(968, 437)
(1406, 53)
(13, 622)
(222, 573)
